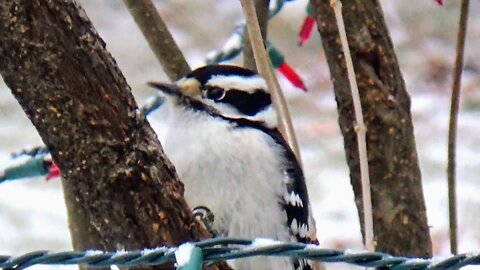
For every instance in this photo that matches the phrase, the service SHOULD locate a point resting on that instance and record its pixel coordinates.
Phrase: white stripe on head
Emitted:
(247, 84)
(268, 115)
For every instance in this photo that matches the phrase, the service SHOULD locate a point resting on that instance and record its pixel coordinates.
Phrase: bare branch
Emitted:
(360, 129)
(393, 163)
(261, 7)
(452, 130)
(265, 69)
(159, 38)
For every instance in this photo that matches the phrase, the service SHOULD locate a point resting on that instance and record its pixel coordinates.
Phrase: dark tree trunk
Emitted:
(400, 221)
(120, 189)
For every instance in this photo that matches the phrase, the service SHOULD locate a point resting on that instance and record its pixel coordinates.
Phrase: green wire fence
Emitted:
(222, 249)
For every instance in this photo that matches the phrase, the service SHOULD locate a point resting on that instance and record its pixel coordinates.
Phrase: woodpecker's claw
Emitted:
(206, 216)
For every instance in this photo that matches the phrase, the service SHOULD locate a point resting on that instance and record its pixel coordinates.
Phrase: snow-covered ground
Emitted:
(32, 213)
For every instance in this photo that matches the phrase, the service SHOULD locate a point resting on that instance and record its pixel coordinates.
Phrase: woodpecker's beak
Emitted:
(167, 88)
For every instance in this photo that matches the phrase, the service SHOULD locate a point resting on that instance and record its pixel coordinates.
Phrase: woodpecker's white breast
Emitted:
(237, 173)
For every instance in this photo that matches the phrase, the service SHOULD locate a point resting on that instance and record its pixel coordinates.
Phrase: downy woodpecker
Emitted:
(223, 140)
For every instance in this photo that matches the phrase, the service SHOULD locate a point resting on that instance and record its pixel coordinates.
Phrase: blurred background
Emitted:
(32, 212)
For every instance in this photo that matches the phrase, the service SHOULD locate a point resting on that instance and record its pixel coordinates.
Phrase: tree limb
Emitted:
(360, 129)
(452, 129)
(261, 7)
(400, 229)
(265, 69)
(159, 38)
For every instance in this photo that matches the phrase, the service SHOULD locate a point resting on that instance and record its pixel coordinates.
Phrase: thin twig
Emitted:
(360, 129)
(452, 130)
(261, 8)
(159, 38)
(265, 69)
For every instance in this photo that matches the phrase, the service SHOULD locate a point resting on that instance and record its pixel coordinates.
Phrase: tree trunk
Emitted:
(400, 221)
(119, 185)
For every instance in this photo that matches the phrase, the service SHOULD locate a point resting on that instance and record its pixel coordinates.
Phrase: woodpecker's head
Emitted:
(231, 91)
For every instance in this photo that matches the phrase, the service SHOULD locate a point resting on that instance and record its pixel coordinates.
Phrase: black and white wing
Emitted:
(295, 201)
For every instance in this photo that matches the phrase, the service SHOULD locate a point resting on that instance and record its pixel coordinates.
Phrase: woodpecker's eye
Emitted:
(214, 93)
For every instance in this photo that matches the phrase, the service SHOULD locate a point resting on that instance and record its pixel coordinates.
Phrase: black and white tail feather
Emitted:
(229, 100)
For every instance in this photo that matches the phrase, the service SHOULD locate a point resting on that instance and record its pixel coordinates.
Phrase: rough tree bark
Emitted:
(114, 172)
(400, 221)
